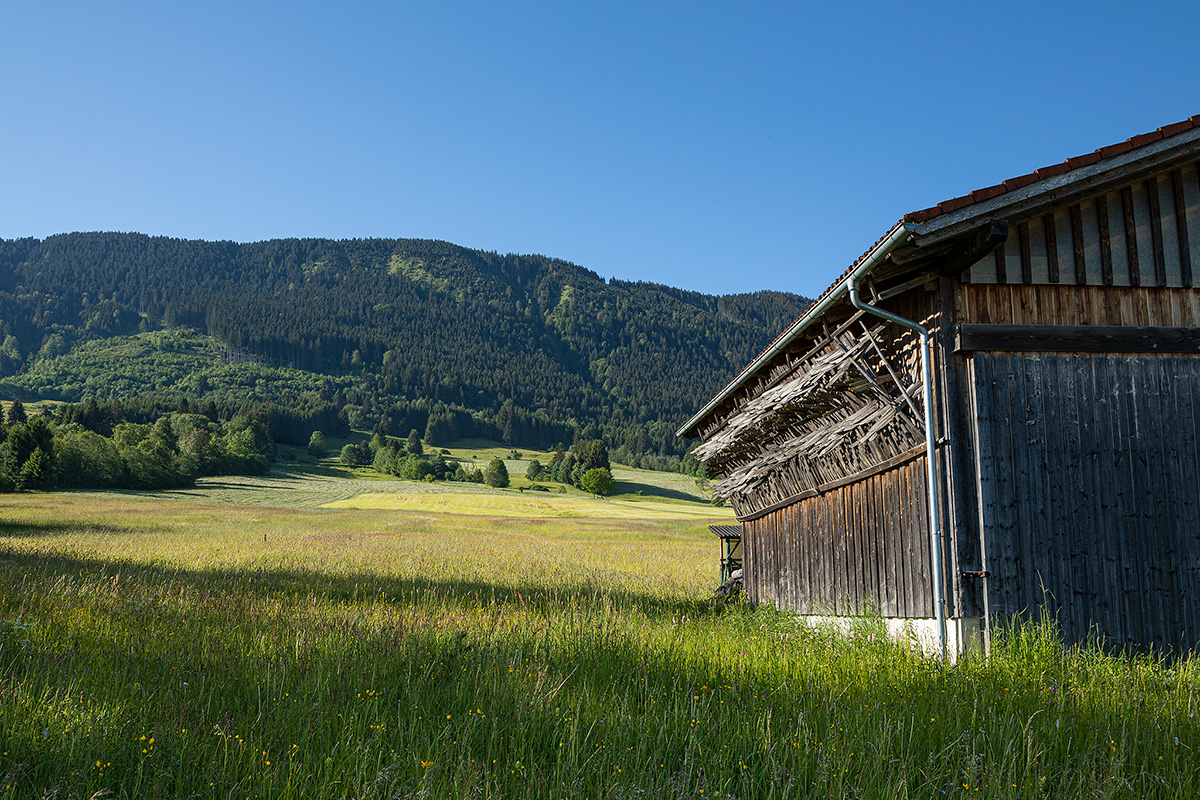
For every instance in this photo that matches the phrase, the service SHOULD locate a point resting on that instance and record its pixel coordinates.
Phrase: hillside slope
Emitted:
(411, 321)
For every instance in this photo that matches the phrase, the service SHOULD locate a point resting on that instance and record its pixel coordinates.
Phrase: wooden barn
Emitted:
(1041, 338)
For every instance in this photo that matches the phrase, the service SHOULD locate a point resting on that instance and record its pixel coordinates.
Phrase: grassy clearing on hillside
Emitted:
(171, 649)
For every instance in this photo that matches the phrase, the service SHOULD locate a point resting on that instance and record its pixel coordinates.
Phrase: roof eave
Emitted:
(899, 234)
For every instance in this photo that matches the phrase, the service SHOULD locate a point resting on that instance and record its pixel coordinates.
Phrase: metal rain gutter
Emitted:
(935, 521)
(895, 237)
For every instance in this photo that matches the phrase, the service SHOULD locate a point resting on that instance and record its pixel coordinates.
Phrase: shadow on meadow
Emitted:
(350, 586)
(625, 487)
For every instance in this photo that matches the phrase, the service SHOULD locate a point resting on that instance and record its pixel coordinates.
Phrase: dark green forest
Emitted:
(376, 333)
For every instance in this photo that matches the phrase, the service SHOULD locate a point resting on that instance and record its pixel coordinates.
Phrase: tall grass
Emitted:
(153, 649)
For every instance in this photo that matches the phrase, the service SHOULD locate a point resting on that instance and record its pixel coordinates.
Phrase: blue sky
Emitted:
(716, 146)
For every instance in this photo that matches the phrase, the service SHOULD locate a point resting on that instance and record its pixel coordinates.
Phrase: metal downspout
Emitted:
(935, 519)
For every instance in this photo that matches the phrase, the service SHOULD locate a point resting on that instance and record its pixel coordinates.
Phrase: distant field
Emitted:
(641, 494)
(201, 646)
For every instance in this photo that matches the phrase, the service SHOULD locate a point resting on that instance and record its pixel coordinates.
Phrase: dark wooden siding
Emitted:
(1089, 486)
(862, 547)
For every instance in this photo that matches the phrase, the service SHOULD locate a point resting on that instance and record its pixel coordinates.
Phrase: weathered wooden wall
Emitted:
(1089, 491)
(862, 547)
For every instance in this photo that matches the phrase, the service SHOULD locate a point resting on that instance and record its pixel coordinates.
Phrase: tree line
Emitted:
(93, 446)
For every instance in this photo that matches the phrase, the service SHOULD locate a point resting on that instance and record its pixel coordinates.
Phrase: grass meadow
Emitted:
(181, 646)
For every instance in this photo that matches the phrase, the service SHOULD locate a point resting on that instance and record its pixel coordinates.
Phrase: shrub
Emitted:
(317, 446)
(495, 474)
(598, 481)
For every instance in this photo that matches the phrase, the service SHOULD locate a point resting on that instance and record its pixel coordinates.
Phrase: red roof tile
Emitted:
(1019, 181)
(1075, 162)
(1115, 149)
(1108, 151)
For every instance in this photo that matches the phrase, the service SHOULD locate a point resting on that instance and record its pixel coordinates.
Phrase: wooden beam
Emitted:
(1181, 228)
(955, 254)
(1051, 246)
(1076, 339)
(1131, 251)
(1077, 244)
(1106, 273)
(1026, 258)
(1156, 235)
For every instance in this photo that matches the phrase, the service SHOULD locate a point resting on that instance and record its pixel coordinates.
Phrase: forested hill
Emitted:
(412, 321)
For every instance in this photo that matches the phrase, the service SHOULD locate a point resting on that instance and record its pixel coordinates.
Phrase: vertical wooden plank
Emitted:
(803, 548)
(1001, 265)
(1004, 304)
(1026, 258)
(748, 562)
(1158, 603)
(787, 520)
(886, 500)
(853, 494)
(1131, 250)
(1059, 527)
(1106, 269)
(887, 565)
(1068, 477)
(896, 543)
(842, 555)
(925, 576)
(1108, 609)
(1077, 245)
(864, 586)
(911, 566)
(1025, 304)
(1156, 234)
(1124, 385)
(1185, 387)
(1046, 546)
(1110, 490)
(1181, 228)
(1012, 555)
(1174, 529)
(870, 575)
(1022, 479)
(824, 563)
(821, 577)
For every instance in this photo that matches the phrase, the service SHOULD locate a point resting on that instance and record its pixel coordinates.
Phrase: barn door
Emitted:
(1089, 491)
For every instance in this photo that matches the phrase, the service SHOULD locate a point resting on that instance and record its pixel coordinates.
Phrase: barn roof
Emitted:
(953, 217)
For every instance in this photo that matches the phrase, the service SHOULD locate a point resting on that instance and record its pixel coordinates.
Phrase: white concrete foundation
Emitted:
(963, 634)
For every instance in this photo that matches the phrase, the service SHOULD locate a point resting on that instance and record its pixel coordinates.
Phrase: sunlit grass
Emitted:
(153, 648)
(534, 505)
